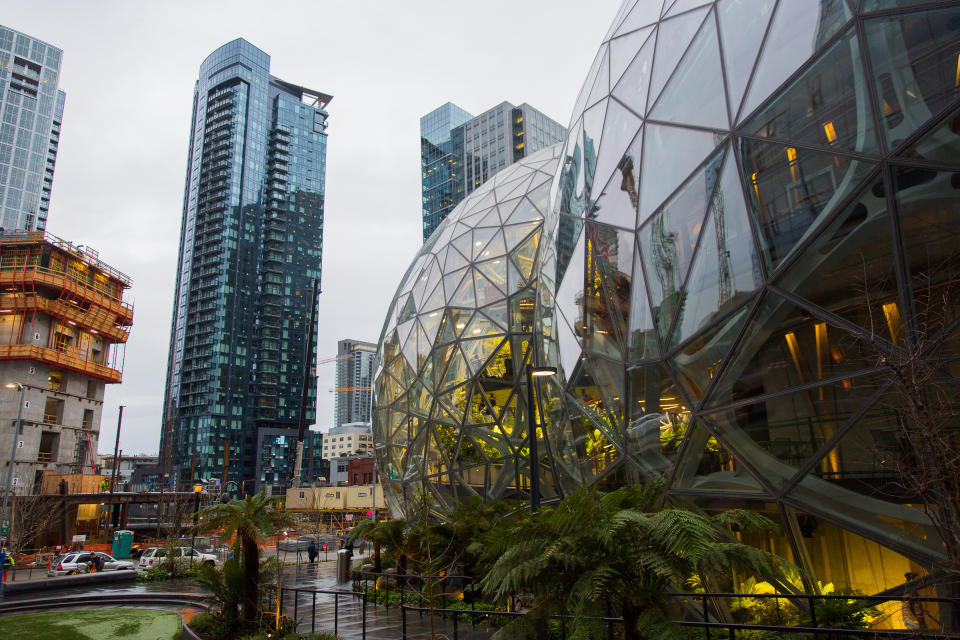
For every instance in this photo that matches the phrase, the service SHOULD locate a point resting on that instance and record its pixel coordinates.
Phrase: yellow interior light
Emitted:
(830, 131)
(820, 332)
(794, 348)
(792, 161)
(892, 313)
(956, 82)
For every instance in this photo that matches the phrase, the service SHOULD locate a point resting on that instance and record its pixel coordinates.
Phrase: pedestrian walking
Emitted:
(6, 562)
(312, 551)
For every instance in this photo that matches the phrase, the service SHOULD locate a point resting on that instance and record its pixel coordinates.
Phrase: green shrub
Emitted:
(153, 574)
(210, 625)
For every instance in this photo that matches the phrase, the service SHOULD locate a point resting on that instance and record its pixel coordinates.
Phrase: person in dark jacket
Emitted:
(312, 551)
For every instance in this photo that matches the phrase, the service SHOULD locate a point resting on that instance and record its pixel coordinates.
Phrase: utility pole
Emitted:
(116, 448)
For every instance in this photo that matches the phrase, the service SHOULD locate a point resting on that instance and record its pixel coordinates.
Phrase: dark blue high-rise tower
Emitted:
(250, 252)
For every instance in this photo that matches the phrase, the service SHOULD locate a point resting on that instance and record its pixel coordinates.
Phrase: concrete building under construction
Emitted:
(63, 326)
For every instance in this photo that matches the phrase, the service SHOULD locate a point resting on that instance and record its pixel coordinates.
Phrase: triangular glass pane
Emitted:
(477, 351)
(610, 382)
(658, 420)
(455, 400)
(457, 370)
(570, 177)
(568, 344)
(742, 25)
(634, 84)
(497, 313)
(524, 212)
(525, 255)
(495, 271)
(622, 12)
(592, 130)
(540, 197)
(491, 218)
(515, 280)
(798, 31)
(673, 37)
(785, 347)
(588, 398)
(727, 270)
(608, 294)
(619, 129)
(670, 156)
(617, 203)
(827, 545)
(451, 282)
(480, 326)
(409, 347)
(481, 237)
(941, 144)
(448, 332)
(644, 12)
(424, 345)
(464, 295)
(917, 78)
(708, 465)
(698, 361)
(487, 292)
(779, 435)
(927, 203)
(591, 80)
(601, 87)
(514, 233)
(668, 239)
(820, 106)
(857, 253)
(642, 337)
(407, 311)
(694, 94)
(623, 50)
(455, 259)
(792, 189)
(871, 448)
(462, 243)
(435, 300)
(684, 5)
(569, 297)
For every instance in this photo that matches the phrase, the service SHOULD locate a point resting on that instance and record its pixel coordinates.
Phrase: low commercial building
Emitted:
(348, 440)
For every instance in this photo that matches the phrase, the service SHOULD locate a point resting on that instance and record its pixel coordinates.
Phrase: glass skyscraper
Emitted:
(355, 364)
(32, 110)
(250, 253)
(438, 165)
(459, 152)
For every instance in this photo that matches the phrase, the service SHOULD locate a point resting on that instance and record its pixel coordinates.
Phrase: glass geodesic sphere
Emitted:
(450, 414)
(749, 213)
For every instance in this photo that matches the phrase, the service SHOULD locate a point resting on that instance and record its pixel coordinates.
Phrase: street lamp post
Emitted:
(13, 452)
(534, 463)
(197, 488)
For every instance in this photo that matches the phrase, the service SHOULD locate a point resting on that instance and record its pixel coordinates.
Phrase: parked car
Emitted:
(301, 543)
(76, 562)
(155, 556)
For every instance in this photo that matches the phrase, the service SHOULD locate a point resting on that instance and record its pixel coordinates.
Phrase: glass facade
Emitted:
(250, 253)
(438, 165)
(448, 413)
(753, 212)
(31, 108)
(460, 152)
(355, 363)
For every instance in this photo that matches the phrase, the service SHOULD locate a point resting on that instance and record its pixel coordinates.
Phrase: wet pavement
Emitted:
(313, 611)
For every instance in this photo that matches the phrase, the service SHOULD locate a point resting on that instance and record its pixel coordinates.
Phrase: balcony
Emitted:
(34, 275)
(95, 318)
(68, 359)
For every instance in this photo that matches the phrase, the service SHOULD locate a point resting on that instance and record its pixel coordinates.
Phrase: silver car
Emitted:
(76, 562)
(154, 557)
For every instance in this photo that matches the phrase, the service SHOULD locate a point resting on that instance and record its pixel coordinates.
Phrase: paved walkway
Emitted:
(318, 612)
(381, 623)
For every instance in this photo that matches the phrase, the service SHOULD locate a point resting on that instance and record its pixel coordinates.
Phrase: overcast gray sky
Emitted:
(129, 68)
